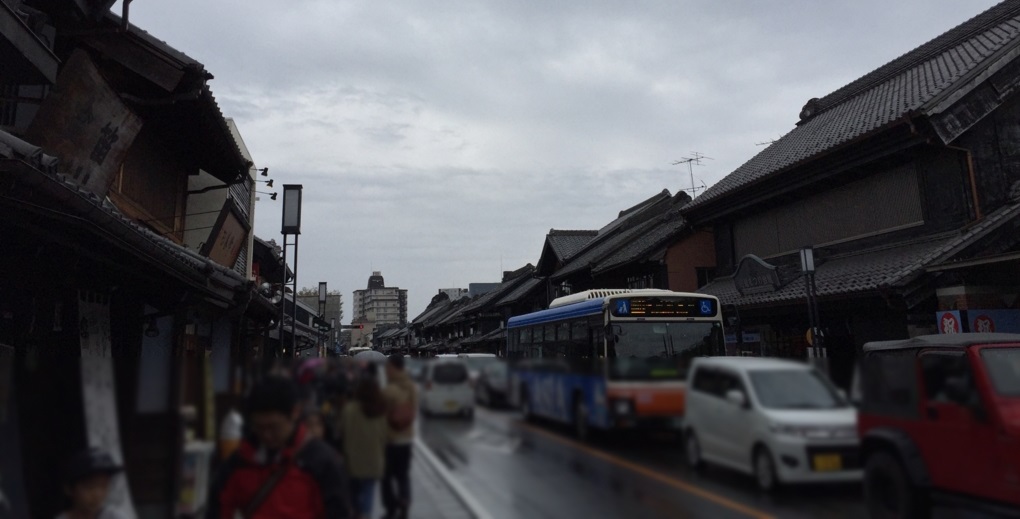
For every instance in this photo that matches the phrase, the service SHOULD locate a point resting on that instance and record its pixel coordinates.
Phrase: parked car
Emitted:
(778, 420)
(446, 388)
(476, 361)
(414, 366)
(940, 421)
(493, 385)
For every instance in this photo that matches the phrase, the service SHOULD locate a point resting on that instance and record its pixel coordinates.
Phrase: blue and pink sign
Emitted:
(978, 321)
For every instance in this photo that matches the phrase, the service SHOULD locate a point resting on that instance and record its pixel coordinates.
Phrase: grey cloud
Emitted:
(434, 138)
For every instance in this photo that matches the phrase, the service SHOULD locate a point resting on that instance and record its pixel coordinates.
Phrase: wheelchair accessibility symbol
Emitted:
(706, 307)
(622, 307)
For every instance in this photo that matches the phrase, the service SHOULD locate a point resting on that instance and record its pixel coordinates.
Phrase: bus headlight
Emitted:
(623, 407)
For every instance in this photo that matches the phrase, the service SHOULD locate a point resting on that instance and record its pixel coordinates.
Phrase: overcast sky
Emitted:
(438, 142)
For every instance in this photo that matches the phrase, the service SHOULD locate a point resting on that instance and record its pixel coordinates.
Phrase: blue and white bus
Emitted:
(612, 358)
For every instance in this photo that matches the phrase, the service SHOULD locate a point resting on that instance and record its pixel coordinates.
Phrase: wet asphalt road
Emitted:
(517, 469)
(523, 470)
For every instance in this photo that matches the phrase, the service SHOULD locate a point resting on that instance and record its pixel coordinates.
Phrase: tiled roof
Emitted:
(634, 212)
(147, 244)
(622, 234)
(912, 83)
(498, 334)
(566, 243)
(667, 228)
(432, 311)
(521, 275)
(521, 291)
(858, 273)
(869, 271)
(608, 245)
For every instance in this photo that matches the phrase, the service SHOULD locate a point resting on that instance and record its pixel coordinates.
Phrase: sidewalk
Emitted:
(432, 495)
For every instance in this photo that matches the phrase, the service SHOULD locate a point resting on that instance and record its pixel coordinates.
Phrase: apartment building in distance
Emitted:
(375, 306)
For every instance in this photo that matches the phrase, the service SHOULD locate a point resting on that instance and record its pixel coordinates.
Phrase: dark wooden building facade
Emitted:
(113, 333)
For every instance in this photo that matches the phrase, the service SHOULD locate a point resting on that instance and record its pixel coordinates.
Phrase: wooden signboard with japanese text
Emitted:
(227, 236)
(85, 123)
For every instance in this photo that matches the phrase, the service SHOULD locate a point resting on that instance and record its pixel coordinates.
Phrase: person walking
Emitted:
(402, 404)
(363, 434)
(87, 480)
(279, 470)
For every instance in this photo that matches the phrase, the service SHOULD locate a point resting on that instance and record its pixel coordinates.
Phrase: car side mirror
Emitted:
(736, 397)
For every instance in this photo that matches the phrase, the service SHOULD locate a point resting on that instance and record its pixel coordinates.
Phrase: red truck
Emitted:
(939, 422)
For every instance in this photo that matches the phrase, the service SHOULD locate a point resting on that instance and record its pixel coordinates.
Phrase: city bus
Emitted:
(611, 359)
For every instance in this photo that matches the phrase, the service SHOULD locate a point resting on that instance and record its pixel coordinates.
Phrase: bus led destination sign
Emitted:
(664, 307)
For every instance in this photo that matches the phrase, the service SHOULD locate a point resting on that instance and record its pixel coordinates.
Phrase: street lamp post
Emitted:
(816, 348)
(322, 313)
(291, 225)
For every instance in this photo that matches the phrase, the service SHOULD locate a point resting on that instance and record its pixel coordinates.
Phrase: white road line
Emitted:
(462, 493)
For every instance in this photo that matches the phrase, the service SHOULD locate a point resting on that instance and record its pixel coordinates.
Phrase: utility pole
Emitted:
(694, 159)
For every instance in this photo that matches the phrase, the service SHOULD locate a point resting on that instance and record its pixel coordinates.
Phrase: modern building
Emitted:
(455, 293)
(375, 306)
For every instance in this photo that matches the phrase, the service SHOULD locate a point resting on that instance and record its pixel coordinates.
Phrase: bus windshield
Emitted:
(659, 350)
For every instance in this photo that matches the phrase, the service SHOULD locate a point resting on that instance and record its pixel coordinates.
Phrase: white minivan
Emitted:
(781, 421)
(446, 388)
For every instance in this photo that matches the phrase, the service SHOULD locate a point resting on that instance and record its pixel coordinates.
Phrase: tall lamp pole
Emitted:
(291, 226)
(816, 349)
(322, 314)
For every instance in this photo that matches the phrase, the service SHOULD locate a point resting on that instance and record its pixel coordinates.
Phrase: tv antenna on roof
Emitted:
(767, 142)
(695, 158)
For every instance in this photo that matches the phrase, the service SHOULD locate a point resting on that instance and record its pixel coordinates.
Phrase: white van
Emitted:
(446, 388)
(778, 420)
(476, 362)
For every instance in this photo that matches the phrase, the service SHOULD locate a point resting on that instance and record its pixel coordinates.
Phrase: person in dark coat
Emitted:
(280, 470)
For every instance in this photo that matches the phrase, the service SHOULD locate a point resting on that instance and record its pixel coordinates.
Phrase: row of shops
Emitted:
(136, 300)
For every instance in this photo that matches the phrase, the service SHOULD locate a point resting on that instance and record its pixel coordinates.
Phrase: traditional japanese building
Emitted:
(905, 184)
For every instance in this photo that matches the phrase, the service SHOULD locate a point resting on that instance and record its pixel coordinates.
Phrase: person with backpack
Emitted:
(279, 470)
(364, 431)
(402, 404)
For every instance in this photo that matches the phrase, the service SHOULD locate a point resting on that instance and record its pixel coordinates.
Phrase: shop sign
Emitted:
(227, 237)
(990, 321)
(949, 321)
(84, 122)
(755, 276)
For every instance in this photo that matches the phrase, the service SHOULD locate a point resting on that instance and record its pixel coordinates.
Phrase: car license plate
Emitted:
(828, 462)
(451, 404)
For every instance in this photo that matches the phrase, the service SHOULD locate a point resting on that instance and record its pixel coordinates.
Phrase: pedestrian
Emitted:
(279, 470)
(402, 404)
(87, 480)
(315, 424)
(364, 432)
(333, 401)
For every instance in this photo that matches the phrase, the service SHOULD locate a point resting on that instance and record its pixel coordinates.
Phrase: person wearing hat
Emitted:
(87, 479)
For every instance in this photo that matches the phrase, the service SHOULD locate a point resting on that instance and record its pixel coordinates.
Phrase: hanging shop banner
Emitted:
(990, 321)
(949, 321)
(98, 391)
(85, 123)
